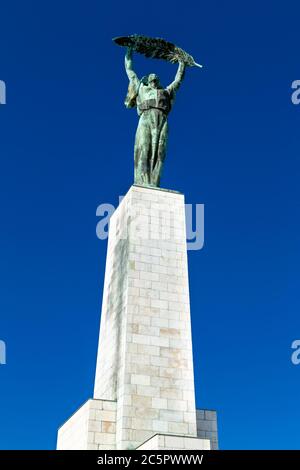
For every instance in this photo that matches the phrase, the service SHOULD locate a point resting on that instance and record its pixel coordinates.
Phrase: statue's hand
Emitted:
(129, 52)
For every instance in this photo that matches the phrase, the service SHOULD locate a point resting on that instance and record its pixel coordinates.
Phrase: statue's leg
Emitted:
(155, 131)
(142, 148)
(161, 139)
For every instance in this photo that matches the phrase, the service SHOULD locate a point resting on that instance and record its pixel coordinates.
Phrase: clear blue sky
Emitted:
(67, 146)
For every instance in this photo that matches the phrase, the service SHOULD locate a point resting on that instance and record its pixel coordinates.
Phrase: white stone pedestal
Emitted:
(145, 364)
(92, 427)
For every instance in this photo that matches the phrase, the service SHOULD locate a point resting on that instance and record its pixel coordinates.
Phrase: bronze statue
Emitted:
(153, 104)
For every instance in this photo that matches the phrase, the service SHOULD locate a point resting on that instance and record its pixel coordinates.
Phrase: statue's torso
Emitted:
(149, 97)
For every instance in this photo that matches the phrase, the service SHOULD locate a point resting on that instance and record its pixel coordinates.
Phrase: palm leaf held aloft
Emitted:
(156, 48)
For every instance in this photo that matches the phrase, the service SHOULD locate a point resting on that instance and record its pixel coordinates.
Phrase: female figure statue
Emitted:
(153, 104)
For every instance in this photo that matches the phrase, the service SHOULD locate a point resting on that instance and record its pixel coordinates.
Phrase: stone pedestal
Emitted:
(92, 427)
(145, 365)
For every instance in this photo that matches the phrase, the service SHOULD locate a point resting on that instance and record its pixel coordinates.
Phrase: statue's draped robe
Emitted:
(153, 106)
(152, 134)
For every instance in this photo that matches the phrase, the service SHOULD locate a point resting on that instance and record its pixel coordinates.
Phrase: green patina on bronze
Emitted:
(153, 103)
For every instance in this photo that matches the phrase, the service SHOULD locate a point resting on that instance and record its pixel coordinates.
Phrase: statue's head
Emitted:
(153, 80)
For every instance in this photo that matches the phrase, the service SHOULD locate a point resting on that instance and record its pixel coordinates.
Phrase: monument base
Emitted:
(144, 386)
(93, 427)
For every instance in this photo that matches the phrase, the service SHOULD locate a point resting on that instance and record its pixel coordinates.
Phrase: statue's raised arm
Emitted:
(173, 87)
(130, 100)
(129, 65)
